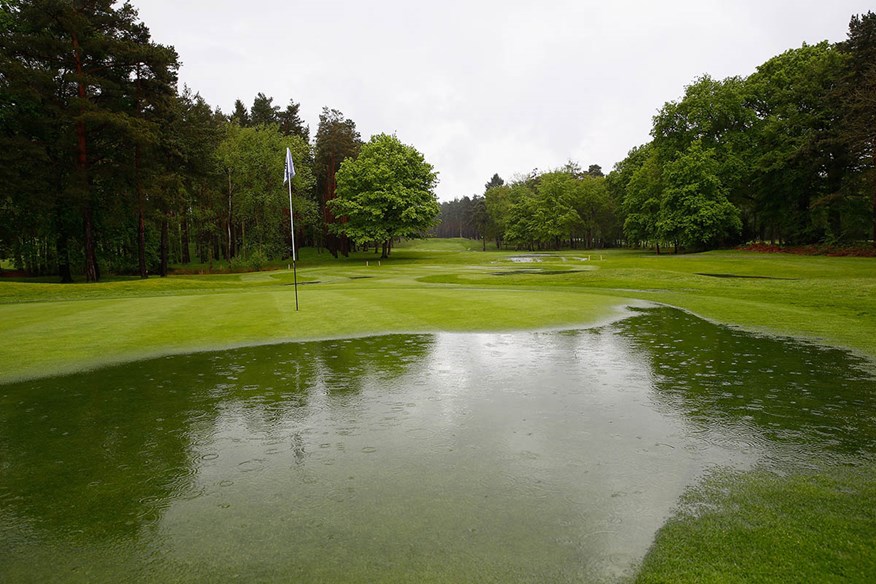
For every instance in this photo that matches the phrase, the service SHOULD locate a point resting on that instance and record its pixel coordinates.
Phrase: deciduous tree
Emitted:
(694, 209)
(387, 192)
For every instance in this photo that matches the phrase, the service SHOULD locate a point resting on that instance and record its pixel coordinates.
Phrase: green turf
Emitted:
(764, 527)
(752, 527)
(430, 285)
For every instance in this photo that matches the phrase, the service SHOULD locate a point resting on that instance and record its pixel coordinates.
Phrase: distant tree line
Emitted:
(541, 210)
(107, 167)
(787, 155)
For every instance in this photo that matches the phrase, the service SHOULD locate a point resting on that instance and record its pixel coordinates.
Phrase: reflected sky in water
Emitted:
(452, 457)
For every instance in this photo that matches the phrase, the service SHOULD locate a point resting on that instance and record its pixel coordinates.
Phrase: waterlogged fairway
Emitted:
(513, 457)
(518, 457)
(429, 286)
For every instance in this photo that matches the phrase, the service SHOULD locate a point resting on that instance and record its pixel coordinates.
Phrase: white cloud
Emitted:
(484, 86)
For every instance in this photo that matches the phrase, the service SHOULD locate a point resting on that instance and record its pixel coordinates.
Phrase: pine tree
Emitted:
(336, 140)
(90, 72)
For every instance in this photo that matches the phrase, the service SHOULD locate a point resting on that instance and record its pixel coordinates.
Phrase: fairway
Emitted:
(427, 286)
(566, 371)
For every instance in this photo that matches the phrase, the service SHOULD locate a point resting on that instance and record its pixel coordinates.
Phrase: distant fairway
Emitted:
(429, 285)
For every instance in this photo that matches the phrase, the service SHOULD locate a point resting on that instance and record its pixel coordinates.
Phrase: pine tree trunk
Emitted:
(873, 192)
(230, 253)
(63, 249)
(92, 273)
(163, 270)
(141, 198)
(185, 255)
(141, 243)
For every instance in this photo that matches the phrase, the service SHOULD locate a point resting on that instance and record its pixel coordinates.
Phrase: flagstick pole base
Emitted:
(295, 279)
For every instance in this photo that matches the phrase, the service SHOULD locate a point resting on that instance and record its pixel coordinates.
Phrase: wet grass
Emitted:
(752, 527)
(53, 329)
(765, 527)
(827, 299)
(431, 285)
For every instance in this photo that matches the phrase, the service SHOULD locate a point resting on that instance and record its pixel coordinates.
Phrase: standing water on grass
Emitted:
(522, 457)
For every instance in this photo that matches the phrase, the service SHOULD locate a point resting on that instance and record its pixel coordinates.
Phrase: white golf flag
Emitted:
(290, 167)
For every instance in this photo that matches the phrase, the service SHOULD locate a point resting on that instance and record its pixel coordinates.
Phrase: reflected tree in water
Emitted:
(100, 454)
(788, 391)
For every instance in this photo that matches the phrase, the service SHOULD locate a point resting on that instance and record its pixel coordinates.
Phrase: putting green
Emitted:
(64, 336)
(432, 285)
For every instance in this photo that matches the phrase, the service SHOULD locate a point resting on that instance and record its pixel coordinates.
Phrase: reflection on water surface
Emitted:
(450, 457)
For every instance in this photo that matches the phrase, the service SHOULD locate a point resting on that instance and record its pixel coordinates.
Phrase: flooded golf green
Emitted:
(520, 457)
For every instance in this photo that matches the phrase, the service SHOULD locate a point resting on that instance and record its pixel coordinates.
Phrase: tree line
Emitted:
(786, 155)
(540, 210)
(106, 166)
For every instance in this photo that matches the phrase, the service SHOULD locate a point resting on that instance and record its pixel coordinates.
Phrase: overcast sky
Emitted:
(488, 86)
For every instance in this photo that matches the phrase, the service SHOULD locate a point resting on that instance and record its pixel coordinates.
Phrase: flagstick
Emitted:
(294, 254)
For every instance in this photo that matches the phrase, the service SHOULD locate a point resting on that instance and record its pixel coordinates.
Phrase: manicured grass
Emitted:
(752, 527)
(762, 527)
(430, 285)
(823, 298)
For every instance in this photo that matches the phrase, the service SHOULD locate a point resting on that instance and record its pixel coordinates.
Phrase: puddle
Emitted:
(520, 457)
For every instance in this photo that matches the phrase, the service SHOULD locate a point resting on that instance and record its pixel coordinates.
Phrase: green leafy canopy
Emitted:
(386, 192)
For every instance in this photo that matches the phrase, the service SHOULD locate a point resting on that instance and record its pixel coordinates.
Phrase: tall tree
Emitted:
(252, 160)
(497, 200)
(240, 115)
(695, 211)
(522, 225)
(263, 111)
(554, 212)
(798, 164)
(639, 177)
(714, 112)
(291, 123)
(154, 135)
(387, 192)
(495, 181)
(858, 98)
(30, 140)
(480, 219)
(199, 134)
(594, 211)
(93, 71)
(336, 140)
